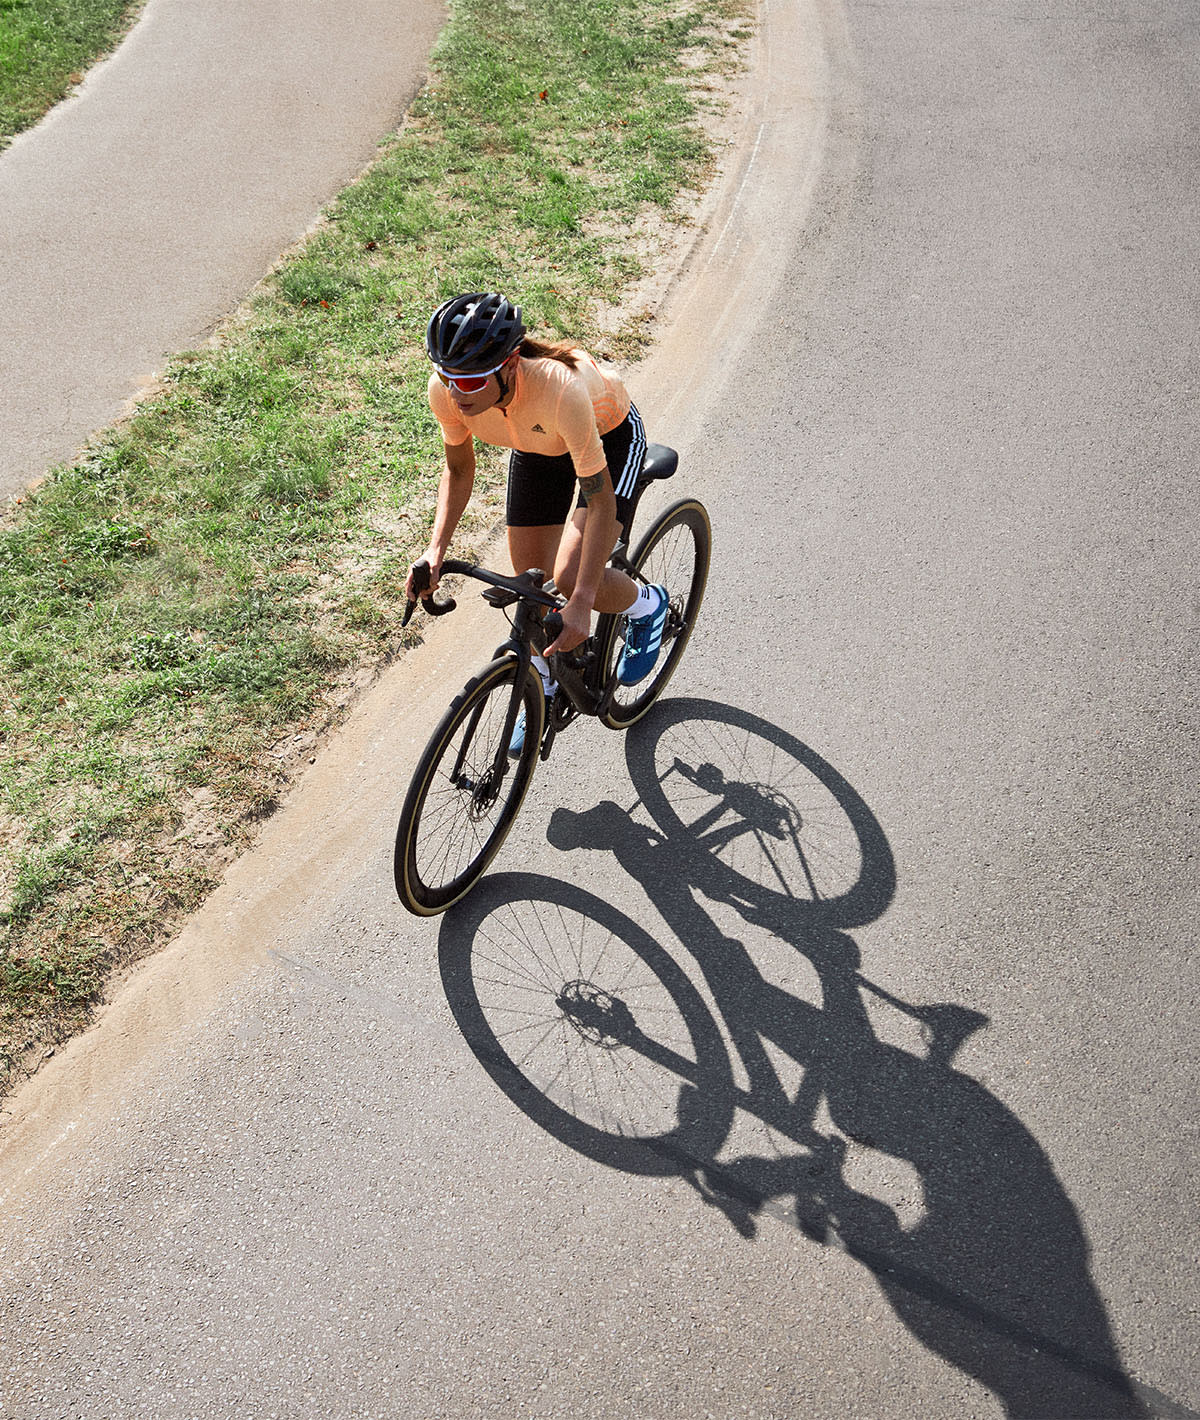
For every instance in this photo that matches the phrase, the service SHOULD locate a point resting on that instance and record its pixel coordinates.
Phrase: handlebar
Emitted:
(522, 586)
(420, 583)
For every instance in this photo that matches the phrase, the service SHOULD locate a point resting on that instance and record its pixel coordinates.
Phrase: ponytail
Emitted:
(561, 350)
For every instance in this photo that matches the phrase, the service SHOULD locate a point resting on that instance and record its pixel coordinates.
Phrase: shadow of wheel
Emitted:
(587, 1024)
(760, 819)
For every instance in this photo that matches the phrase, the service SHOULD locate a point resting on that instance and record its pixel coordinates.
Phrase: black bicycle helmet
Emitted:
(473, 333)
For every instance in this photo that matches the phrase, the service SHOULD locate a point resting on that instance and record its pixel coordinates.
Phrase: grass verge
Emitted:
(186, 609)
(44, 47)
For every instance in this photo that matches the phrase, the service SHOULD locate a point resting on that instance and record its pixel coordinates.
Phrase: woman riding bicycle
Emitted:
(568, 422)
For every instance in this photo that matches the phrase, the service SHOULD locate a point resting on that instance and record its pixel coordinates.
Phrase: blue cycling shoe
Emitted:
(643, 641)
(517, 743)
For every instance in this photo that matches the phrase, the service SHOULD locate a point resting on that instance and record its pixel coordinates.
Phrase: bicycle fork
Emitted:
(486, 787)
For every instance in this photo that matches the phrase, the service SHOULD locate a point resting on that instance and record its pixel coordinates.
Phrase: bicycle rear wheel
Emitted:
(466, 791)
(675, 552)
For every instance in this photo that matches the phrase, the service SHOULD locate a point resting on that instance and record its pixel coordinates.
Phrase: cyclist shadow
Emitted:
(993, 1272)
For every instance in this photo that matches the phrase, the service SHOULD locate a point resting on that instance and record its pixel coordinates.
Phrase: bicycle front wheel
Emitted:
(466, 790)
(675, 553)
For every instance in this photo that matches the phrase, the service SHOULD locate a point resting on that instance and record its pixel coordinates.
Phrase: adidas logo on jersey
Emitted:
(537, 429)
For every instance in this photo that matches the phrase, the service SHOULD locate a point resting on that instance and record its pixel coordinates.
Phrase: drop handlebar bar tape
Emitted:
(420, 584)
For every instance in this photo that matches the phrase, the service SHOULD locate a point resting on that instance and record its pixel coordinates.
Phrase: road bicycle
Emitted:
(467, 790)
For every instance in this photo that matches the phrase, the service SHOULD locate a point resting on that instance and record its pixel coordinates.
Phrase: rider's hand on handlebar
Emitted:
(435, 572)
(577, 627)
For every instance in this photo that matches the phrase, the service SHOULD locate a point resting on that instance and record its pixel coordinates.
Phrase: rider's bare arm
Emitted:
(599, 537)
(594, 484)
(454, 493)
(599, 533)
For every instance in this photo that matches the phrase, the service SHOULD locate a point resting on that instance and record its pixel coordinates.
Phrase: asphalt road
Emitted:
(141, 211)
(899, 887)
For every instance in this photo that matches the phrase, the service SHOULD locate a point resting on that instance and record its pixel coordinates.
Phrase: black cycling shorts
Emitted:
(541, 487)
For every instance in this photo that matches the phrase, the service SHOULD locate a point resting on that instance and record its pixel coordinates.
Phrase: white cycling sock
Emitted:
(648, 600)
(542, 666)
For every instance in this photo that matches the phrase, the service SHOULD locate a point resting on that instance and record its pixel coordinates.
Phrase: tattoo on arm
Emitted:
(589, 487)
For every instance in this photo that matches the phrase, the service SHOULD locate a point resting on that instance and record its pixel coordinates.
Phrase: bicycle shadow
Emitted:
(991, 1270)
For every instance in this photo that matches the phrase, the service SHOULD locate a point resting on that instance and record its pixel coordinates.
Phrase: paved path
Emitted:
(145, 206)
(931, 1134)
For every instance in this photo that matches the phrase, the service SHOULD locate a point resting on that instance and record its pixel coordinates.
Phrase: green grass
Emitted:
(189, 602)
(44, 47)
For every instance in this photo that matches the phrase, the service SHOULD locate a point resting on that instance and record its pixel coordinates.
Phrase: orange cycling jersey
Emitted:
(554, 410)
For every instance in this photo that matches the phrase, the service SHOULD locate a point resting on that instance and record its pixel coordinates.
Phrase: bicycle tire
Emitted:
(456, 813)
(675, 552)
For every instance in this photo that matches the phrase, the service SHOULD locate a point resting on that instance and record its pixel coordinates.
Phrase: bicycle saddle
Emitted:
(661, 462)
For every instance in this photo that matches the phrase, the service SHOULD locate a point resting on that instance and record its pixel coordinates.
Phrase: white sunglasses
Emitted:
(468, 384)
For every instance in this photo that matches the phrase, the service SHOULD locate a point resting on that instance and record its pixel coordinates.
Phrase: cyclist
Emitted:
(569, 423)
